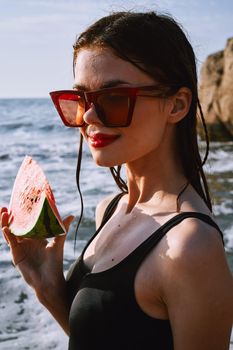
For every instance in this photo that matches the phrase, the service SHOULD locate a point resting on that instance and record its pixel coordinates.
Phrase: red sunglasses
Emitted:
(114, 106)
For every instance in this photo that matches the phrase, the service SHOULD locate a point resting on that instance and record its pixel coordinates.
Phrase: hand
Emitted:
(40, 262)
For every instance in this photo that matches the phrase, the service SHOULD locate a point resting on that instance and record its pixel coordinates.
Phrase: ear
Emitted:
(180, 104)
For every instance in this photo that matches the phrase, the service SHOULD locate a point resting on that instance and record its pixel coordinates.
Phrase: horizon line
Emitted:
(23, 97)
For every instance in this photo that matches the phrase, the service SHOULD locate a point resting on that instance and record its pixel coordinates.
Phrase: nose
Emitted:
(90, 116)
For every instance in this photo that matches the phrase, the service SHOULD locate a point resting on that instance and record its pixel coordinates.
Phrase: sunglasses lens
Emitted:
(113, 108)
(72, 108)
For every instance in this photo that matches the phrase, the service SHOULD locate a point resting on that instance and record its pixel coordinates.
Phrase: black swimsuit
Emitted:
(104, 314)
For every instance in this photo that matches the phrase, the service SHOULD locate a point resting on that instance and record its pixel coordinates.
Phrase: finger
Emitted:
(9, 237)
(3, 210)
(5, 218)
(61, 238)
(5, 236)
(10, 218)
(67, 221)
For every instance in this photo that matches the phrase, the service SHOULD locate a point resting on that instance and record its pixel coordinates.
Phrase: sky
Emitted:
(36, 36)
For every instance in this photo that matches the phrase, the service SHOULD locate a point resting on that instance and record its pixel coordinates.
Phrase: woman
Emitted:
(155, 274)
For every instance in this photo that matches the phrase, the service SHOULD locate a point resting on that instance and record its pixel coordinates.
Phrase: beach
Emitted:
(31, 127)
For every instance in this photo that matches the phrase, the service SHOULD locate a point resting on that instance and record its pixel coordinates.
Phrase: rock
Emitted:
(216, 93)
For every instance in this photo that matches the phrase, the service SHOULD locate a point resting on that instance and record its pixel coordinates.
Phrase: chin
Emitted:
(105, 161)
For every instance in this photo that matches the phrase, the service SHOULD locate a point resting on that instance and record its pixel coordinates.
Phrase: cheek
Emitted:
(141, 143)
(141, 140)
(148, 124)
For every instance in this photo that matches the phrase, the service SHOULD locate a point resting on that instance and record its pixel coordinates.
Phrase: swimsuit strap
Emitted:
(111, 208)
(137, 256)
(189, 214)
(160, 232)
(169, 224)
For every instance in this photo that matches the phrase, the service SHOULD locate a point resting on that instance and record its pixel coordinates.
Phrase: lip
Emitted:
(99, 140)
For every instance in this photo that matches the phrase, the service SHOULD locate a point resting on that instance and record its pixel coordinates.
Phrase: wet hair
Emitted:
(157, 45)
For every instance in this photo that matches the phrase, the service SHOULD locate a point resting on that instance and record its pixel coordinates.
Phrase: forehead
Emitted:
(97, 66)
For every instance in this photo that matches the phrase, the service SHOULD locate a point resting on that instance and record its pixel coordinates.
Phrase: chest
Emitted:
(119, 237)
(115, 243)
(104, 312)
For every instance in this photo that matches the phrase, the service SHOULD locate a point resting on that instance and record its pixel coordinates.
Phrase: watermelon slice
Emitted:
(32, 204)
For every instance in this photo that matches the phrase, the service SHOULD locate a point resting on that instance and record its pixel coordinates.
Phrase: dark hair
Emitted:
(156, 44)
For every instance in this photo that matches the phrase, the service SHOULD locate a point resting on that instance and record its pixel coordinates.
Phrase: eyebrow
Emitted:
(107, 84)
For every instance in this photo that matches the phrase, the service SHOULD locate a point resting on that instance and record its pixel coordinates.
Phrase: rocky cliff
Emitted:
(216, 93)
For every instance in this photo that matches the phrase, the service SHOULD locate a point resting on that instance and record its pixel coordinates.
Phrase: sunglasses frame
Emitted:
(91, 98)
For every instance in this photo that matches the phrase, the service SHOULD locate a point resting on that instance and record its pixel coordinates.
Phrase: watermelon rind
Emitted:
(46, 221)
(45, 226)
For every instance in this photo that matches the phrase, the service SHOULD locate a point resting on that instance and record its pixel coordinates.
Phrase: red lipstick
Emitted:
(101, 140)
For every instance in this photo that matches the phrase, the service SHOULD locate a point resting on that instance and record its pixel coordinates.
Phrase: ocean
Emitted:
(32, 127)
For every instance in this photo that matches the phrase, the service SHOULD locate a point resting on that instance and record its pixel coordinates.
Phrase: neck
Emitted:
(156, 179)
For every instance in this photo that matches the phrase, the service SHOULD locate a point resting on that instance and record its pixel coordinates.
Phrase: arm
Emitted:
(40, 262)
(55, 300)
(198, 288)
(55, 297)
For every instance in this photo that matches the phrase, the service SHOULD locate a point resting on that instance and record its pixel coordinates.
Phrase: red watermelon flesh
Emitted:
(32, 205)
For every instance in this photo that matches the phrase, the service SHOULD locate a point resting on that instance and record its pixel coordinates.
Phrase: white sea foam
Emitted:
(24, 323)
(220, 159)
(229, 238)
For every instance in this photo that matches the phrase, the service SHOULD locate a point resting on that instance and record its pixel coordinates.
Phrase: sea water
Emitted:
(32, 127)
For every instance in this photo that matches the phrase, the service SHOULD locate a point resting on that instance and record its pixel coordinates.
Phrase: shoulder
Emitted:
(197, 285)
(192, 245)
(196, 263)
(101, 207)
(193, 238)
